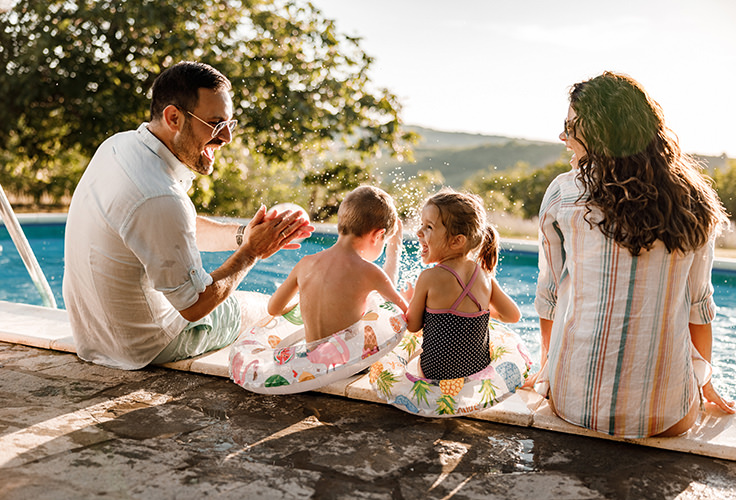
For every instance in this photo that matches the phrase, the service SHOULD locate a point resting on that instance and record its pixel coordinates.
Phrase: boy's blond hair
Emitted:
(365, 209)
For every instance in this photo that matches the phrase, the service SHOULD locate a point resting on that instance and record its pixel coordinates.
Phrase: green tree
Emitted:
(241, 184)
(409, 194)
(725, 183)
(522, 187)
(329, 186)
(74, 72)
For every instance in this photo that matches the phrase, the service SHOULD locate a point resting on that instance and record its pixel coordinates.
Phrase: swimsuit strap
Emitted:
(466, 288)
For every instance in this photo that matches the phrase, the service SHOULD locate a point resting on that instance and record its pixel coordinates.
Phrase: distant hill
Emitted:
(436, 139)
(713, 162)
(459, 155)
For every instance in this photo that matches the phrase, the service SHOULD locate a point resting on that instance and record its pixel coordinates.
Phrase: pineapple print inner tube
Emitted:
(396, 380)
(273, 357)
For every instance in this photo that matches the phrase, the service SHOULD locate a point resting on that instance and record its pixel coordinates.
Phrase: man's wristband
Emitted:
(239, 235)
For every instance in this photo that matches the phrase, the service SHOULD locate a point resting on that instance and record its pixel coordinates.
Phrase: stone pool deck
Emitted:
(71, 429)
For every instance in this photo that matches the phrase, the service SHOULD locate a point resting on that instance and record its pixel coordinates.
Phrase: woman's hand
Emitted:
(711, 395)
(531, 380)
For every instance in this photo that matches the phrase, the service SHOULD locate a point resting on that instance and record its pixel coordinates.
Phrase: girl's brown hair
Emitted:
(634, 172)
(464, 214)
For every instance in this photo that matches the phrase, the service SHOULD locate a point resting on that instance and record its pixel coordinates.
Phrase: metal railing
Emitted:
(24, 249)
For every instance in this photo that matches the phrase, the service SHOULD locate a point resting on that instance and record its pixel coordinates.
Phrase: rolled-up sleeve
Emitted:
(162, 234)
(551, 253)
(700, 286)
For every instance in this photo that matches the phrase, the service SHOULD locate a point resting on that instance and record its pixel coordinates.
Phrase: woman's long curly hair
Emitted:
(634, 172)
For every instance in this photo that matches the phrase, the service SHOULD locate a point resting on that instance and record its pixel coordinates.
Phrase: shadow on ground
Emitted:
(70, 429)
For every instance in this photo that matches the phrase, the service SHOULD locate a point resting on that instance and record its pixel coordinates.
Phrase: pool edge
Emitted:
(509, 244)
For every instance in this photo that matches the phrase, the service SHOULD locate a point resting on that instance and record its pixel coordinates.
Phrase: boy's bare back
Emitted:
(333, 289)
(334, 285)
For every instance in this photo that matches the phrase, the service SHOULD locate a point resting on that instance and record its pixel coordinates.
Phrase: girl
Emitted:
(453, 301)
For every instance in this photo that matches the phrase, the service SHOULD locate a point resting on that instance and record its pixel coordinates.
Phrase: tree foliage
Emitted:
(725, 183)
(409, 194)
(77, 71)
(328, 187)
(519, 190)
(74, 72)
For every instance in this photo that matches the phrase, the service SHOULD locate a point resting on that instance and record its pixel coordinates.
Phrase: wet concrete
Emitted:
(70, 429)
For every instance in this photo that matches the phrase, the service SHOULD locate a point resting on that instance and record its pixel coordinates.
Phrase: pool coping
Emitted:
(714, 434)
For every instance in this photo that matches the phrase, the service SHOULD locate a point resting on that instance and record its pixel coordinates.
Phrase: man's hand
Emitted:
(302, 232)
(269, 232)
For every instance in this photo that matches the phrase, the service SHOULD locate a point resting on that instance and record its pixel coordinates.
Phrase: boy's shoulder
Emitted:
(309, 261)
(306, 260)
(328, 257)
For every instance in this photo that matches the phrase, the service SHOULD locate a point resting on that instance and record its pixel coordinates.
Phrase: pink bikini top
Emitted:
(465, 293)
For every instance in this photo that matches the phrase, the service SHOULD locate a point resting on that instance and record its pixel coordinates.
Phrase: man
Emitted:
(134, 285)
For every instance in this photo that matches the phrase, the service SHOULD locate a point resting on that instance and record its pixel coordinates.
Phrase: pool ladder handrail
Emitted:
(25, 251)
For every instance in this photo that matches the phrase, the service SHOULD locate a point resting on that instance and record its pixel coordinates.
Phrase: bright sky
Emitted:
(505, 67)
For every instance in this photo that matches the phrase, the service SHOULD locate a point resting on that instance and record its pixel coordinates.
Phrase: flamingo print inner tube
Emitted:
(396, 380)
(273, 357)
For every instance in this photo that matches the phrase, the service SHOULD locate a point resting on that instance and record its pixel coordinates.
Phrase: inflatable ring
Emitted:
(273, 357)
(395, 377)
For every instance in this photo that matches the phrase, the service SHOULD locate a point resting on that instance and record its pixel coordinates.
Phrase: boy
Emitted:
(334, 284)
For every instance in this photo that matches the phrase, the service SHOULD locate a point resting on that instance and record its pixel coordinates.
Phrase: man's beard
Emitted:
(186, 149)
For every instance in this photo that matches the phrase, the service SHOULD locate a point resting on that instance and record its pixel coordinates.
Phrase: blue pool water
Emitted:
(517, 273)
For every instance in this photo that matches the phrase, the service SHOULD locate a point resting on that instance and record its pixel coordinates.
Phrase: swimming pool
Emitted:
(517, 273)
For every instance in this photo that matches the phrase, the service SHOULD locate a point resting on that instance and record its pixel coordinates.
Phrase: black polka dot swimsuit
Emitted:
(455, 344)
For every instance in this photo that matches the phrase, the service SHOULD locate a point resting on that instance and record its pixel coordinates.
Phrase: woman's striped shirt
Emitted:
(620, 357)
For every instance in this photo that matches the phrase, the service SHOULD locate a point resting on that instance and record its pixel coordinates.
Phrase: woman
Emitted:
(626, 249)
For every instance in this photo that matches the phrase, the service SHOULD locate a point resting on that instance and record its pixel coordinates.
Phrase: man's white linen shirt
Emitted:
(131, 256)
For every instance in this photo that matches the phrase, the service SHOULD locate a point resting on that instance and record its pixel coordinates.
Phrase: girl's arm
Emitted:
(702, 338)
(415, 315)
(503, 307)
(280, 301)
(393, 253)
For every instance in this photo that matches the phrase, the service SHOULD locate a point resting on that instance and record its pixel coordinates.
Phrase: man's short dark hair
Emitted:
(179, 85)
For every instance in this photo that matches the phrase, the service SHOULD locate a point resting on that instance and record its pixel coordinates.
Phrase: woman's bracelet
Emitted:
(239, 234)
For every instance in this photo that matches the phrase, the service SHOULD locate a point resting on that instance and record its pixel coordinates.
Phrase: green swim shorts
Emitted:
(215, 331)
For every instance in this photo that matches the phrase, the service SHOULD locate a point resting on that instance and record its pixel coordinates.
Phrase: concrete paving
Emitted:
(70, 429)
